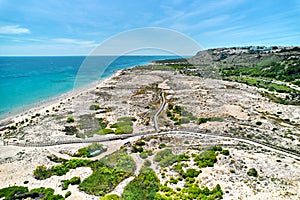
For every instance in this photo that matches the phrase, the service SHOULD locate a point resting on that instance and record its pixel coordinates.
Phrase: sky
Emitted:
(76, 27)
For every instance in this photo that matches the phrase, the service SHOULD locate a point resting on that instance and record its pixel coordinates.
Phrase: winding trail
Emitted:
(162, 105)
(204, 133)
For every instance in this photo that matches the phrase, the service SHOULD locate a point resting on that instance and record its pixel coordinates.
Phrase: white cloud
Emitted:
(75, 42)
(13, 29)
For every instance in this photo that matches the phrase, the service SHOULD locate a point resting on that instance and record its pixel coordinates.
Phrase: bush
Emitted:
(68, 194)
(143, 187)
(105, 131)
(206, 159)
(165, 158)
(70, 130)
(161, 146)
(75, 180)
(17, 192)
(12, 127)
(192, 173)
(70, 120)
(252, 172)
(140, 143)
(110, 197)
(126, 119)
(258, 123)
(147, 163)
(124, 130)
(185, 120)
(41, 172)
(136, 149)
(9, 192)
(107, 173)
(94, 107)
(225, 152)
(143, 155)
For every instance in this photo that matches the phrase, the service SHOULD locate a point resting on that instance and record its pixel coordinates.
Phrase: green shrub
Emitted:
(110, 197)
(17, 192)
(192, 173)
(165, 158)
(161, 146)
(68, 194)
(9, 192)
(70, 130)
(121, 124)
(140, 143)
(147, 163)
(75, 180)
(41, 172)
(108, 173)
(12, 127)
(124, 130)
(185, 120)
(143, 187)
(210, 119)
(94, 107)
(143, 155)
(136, 149)
(206, 159)
(105, 131)
(252, 172)
(217, 148)
(258, 123)
(225, 152)
(70, 119)
(126, 119)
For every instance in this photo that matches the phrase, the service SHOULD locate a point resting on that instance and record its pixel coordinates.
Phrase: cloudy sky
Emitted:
(75, 27)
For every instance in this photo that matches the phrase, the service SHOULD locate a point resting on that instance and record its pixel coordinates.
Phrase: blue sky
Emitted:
(75, 27)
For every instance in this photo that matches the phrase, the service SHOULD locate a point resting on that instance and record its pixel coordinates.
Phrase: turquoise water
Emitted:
(25, 81)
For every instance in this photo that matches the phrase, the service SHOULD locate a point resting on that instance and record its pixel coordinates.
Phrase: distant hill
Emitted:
(238, 56)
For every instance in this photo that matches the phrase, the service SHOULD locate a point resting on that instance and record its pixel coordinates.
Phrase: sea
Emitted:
(29, 81)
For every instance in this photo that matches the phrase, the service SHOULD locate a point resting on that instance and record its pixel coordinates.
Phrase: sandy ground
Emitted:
(126, 95)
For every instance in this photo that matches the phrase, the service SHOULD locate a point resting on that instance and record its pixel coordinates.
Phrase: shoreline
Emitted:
(48, 104)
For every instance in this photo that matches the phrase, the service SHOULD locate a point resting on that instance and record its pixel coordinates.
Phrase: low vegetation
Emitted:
(208, 157)
(19, 192)
(209, 119)
(191, 191)
(110, 197)
(288, 70)
(143, 187)
(166, 158)
(108, 173)
(179, 115)
(70, 119)
(124, 125)
(252, 172)
(42, 172)
(94, 107)
(73, 181)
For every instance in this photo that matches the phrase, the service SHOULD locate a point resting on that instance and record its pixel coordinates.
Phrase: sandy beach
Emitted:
(42, 108)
